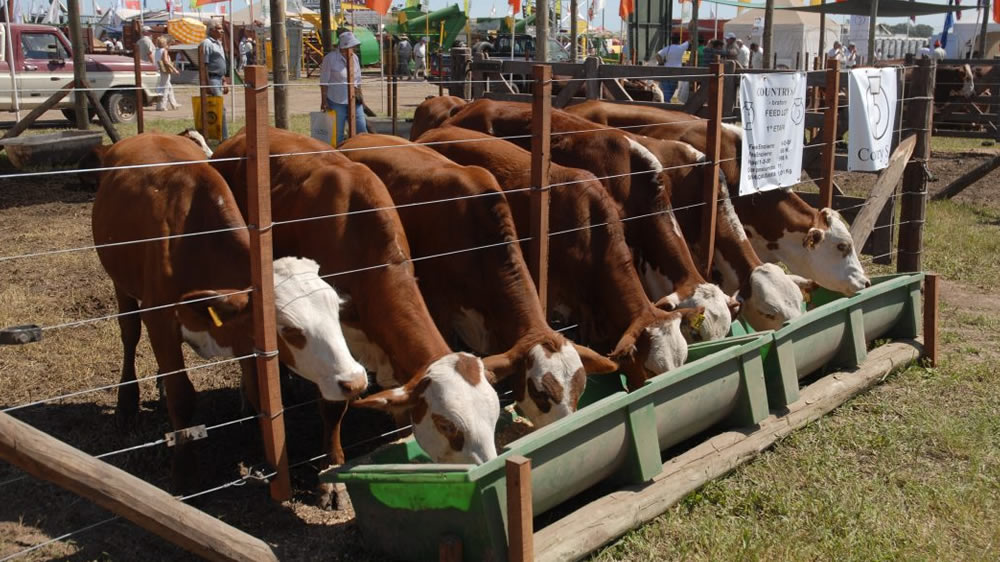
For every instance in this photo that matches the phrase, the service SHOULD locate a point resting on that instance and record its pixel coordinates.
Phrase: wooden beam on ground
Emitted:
(520, 523)
(29, 119)
(885, 186)
(601, 521)
(967, 179)
(149, 507)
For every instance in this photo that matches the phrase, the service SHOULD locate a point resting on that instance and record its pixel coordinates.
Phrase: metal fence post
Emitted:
(541, 129)
(202, 96)
(829, 150)
(261, 270)
(713, 147)
(914, 204)
(931, 318)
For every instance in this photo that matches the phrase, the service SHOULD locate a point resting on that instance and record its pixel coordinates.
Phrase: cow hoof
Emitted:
(332, 497)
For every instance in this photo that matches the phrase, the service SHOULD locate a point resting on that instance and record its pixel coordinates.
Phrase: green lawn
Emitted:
(907, 471)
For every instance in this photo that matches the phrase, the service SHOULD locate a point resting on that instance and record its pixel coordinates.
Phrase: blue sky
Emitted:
(483, 8)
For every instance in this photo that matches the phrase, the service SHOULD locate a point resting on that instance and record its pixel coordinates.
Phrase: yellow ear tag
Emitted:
(807, 297)
(696, 321)
(215, 317)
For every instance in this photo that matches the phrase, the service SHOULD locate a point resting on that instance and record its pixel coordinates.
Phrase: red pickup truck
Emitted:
(42, 61)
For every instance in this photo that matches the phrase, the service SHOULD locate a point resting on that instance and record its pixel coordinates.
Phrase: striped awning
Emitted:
(186, 30)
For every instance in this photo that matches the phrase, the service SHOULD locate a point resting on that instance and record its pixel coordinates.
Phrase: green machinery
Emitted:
(417, 24)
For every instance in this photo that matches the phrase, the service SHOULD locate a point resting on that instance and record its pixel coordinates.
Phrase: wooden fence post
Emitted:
(79, 63)
(440, 58)
(202, 95)
(140, 120)
(541, 139)
(520, 527)
(262, 275)
(450, 549)
(713, 148)
(829, 139)
(931, 318)
(914, 204)
(352, 110)
(392, 81)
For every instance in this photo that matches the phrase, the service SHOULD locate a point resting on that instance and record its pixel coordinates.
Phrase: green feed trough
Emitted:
(617, 437)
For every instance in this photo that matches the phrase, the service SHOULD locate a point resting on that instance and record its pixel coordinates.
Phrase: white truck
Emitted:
(37, 60)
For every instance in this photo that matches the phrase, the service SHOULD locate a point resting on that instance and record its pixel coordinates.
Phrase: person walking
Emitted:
(333, 85)
(671, 56)
(166, 68)
(743, 54)
(420, 58)
(247, 55)
(732, 51)
(217, 68)
(404, 54)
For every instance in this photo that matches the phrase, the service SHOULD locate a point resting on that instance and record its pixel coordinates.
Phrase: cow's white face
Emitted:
(825, 255)
(717, 311)
(554, 383)
(968, 84)
(667, 346)
(312, 343)
(774, 298)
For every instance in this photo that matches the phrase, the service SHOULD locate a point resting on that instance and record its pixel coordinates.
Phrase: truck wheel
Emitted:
(121, 106)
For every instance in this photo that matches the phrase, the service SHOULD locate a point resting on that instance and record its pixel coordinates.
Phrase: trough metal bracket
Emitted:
(20, 335)
(186, 435)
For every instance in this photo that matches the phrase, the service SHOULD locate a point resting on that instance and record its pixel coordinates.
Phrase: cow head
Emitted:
(655, 344)
(774, 297)
(311, 342)
(719, 310)
(824, 253)
(554, 376)
(198, 139)
(968, 81)
(452, 406)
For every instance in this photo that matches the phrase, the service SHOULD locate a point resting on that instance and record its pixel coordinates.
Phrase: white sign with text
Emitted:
(872, 109)
(773, 108)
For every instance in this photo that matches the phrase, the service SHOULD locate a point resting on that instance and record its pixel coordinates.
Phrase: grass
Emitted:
(951, 144)
(910, 470)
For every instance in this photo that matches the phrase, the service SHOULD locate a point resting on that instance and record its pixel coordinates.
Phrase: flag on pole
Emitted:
(380, 6)
(949, 21)
(996, 16)
(626, 8)
(515, 5)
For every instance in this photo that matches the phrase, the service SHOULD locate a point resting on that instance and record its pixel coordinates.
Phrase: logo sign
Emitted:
(872, 110)
(773, 107)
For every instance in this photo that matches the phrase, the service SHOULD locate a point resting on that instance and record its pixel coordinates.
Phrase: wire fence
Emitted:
(16, 259)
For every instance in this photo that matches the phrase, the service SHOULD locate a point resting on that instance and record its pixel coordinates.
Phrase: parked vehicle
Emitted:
(43, 62)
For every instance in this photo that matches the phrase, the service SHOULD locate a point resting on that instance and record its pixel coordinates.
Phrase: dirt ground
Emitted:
(46, 213)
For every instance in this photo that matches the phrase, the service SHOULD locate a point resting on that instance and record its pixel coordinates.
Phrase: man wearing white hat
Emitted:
(420, 58)
(145, 45)
(732, 49)
(333, 84)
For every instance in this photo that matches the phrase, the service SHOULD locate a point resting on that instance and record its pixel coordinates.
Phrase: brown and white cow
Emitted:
(386, 321)
(813, 243)
(432, 112)
(209, 274)
(634, 177)
(484, 295)
(591, 278)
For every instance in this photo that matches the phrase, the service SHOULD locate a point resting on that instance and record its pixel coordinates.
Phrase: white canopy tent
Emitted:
(795, 33)
(292, 10)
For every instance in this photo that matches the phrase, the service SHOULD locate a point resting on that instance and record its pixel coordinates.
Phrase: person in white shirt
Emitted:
(925, 51)
(145, 45)
(420, 59)
(836, 53)
(756, 56)
(851, 56)
(333, 85)
(671, 56)
(743, 56)
(939, 52)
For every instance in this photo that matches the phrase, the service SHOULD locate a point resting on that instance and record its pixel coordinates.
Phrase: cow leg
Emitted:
(164, 335)
(130, 326)
(332, 496)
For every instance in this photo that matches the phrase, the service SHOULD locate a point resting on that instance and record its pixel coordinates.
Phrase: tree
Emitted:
(920, 30)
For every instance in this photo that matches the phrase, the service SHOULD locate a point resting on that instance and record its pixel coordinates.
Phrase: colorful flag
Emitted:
(948, 22)
(626, 8)
(996, 15)
(515, 4)
(380, 6)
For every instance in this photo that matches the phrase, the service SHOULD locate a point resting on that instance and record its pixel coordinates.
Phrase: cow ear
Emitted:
(595, 363)
(500, 365)
(668, 302)
(394, 400)
(214, 308)
(807, 286)
(812, 238)
(735, 302)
